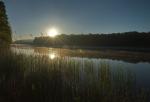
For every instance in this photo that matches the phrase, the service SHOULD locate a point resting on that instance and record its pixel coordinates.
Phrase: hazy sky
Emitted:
(78, 16)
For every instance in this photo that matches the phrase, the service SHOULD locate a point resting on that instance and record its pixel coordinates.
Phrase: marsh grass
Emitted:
(37, 78)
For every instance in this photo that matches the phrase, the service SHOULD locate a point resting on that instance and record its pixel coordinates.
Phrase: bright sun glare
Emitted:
(52, 56)
(52, 32)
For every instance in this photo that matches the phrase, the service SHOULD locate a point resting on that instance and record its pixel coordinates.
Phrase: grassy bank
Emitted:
(37, 78)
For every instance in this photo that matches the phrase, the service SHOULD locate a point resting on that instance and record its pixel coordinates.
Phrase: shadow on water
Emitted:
(39, 78)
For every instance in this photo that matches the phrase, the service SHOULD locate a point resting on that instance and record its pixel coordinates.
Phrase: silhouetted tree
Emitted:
(5, 29)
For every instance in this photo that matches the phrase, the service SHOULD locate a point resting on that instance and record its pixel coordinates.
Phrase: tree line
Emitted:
(126, 39)
(5, 29)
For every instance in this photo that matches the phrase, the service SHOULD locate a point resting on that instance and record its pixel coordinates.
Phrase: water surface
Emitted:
(137, 63)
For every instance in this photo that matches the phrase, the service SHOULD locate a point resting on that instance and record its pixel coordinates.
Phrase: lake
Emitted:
(137, 63)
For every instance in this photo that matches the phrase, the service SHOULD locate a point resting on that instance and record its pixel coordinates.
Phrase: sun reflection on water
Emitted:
(52, 56)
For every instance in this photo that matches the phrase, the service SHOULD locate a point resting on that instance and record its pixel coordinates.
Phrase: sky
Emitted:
(78, 16)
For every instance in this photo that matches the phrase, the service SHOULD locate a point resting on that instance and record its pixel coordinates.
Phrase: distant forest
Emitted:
(126, 39)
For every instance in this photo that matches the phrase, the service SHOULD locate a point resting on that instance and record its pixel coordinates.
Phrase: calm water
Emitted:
(134, 63)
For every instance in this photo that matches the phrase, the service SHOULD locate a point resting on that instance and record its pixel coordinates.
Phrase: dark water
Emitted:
(137, 63)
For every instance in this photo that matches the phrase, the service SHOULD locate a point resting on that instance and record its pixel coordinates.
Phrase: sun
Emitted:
(52, 32)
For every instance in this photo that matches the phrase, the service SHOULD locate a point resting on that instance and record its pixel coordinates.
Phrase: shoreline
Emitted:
(118, 48)
(127, 56)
